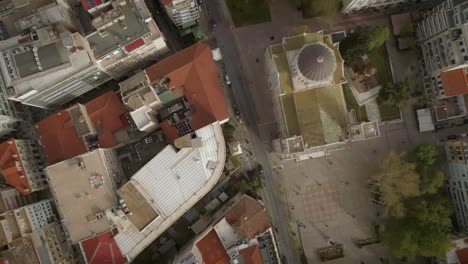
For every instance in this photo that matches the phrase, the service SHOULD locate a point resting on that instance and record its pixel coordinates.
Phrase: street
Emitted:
(226, 42)
(243, 51)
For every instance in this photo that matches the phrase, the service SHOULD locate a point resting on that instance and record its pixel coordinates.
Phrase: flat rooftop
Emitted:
(83, 188)
(22, 251)
(141, 212)
(123, 25)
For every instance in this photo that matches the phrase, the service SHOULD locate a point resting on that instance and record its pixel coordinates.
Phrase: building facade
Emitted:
(443, 37)
(11, 199)
(48, 63)
(351, 6)
(48, 67)
(183, 13)
(22, 166)
(31, 234)
(457, 157)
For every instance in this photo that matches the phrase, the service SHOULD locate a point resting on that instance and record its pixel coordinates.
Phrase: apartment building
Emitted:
(352, 6)
(48, 67)
(457, 157)
(126, 38)
(80, 128)
(21, 166)
(180, 94)
(47, 63)
(84, 187)
(11, 199)
(183, 13)
(31, 234)
(240, 233)
(443, 37)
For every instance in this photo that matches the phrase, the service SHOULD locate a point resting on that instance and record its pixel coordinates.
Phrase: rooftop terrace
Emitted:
(84, 187)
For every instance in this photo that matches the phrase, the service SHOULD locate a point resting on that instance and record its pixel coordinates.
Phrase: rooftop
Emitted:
(121, 25)
(462, 255)
(84, 187)
(251, 255)
(62, 134)
(102, 249)
(142, 213)
(212, 250)
(194, 70)
(248, 217)
(455, 82)
(171, 183)
(12, 167)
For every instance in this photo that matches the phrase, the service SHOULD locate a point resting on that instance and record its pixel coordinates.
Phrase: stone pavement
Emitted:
(372, 110)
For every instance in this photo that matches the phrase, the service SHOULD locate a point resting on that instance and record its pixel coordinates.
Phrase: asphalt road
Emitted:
(226, 42)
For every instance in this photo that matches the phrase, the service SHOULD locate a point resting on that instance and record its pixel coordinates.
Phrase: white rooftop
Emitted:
(425, 120)
(172, 182)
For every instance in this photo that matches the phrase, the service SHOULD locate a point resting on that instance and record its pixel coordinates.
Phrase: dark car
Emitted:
(260, 168)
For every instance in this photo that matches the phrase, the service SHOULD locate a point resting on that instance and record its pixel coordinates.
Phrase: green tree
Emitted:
(426, 155)
(423, 231)
(361, 41)
(394, 93)
(397, 181)
(427, 158)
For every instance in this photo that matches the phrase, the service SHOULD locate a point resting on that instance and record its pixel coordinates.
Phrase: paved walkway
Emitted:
(373, 113)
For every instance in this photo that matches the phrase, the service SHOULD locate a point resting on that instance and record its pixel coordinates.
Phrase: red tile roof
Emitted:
(455, 82)
(251, 255)
(166, 2)
(60, 139)
(10, 172)
(106, 113)
(462, 255)
(194, 69)
(134, 45)
(248, 217)
(88, 4)
(102, 249)
(212, 250)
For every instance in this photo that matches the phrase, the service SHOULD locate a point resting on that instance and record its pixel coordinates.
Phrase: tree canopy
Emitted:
(427, 158)
(394, 93)
(417, 222)
(423, 231)
(361, 41)
(397, 180)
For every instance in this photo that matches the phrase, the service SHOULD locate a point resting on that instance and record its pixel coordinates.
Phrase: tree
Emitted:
(423, 231)
(426, 154)
(427, 158)
(397, 180)
(362, 41)
(394, 93)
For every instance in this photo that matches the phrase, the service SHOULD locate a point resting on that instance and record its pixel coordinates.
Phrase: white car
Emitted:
(228, 82)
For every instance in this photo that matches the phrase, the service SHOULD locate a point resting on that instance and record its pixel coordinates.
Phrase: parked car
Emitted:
(228, 82)
(260, 168)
